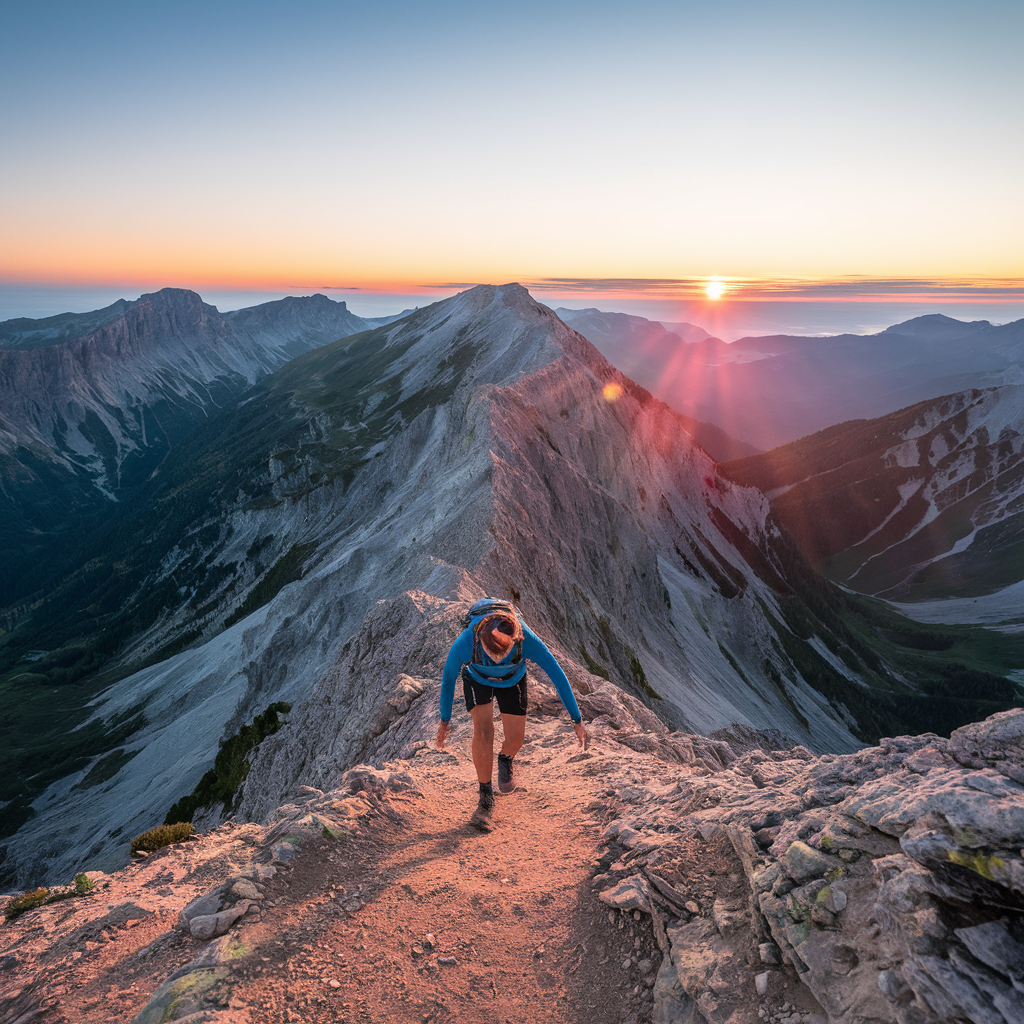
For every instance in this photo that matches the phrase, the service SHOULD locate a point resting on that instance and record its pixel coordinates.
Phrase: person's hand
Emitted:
(581, 734)
(442, 734)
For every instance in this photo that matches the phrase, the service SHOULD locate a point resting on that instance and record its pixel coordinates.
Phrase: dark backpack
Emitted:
(477, 612)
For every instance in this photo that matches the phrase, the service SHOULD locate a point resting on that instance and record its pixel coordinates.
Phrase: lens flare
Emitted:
(611, 392)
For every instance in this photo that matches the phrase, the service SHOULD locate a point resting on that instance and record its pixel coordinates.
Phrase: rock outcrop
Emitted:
(890, 882)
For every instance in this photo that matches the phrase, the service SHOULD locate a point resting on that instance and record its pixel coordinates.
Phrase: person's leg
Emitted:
(514, 728)
(483, 740)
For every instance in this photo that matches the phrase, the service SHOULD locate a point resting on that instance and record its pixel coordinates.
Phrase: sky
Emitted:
(806, 155)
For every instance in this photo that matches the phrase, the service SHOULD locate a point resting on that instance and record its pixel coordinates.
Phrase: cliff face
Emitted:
(654, 877)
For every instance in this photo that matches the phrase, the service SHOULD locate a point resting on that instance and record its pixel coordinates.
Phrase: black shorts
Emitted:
(511, 699)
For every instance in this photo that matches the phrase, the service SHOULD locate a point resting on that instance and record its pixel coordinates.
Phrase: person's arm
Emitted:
(536, 650)
(461, 652)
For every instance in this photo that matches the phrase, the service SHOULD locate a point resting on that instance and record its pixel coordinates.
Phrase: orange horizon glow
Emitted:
(713, 290)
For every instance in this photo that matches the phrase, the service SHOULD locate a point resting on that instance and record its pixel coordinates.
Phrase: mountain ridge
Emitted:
(921, 503)
(85, 421)
(770, 390)
(320, 537)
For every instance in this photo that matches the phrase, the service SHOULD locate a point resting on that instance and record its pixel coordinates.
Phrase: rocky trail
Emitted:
(656, 877)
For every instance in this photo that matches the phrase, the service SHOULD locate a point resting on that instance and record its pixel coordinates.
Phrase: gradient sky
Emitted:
(304, 145)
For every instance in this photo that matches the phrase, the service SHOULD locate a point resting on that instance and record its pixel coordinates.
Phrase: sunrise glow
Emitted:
(338, 176)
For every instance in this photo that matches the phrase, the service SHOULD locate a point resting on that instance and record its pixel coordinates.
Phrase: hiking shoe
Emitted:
(481, 817)
(506, 774)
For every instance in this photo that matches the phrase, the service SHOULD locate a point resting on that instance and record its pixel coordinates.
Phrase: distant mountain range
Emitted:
(926, 502)
(768, 391)
(288, 539)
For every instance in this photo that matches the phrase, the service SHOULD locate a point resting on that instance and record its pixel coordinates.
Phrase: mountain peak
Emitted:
(937, 326)
(171, 296)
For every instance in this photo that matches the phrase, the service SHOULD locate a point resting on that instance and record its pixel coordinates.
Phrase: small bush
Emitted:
(162, 835)
(83, 884)
(27, 901)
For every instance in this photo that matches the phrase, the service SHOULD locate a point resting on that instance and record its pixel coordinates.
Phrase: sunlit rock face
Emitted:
(318, 540)
(888, 883)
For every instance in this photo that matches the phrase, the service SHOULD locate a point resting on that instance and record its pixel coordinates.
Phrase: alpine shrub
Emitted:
(162, 835)
(26, 901)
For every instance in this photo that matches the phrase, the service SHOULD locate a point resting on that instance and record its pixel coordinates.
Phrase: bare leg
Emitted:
(514, 728)
(483, 741)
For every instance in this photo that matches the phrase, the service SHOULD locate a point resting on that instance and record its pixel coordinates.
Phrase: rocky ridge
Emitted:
(89, 402)
(655, 877)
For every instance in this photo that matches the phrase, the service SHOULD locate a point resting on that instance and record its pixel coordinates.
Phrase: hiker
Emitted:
(492, 652)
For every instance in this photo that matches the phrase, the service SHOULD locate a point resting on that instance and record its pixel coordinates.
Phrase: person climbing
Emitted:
(491, 652)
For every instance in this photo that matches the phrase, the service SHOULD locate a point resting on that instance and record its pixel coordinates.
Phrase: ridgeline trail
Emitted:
(414, 917)
(655, 878)
(447, 923)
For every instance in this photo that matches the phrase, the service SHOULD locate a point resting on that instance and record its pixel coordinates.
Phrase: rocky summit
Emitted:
(654, 877)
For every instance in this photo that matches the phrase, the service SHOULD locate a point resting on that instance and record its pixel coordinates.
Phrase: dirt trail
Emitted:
(770, 888)
(456, 924)
(415, 918)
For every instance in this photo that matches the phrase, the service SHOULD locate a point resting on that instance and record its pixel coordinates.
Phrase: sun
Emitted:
(714, 289)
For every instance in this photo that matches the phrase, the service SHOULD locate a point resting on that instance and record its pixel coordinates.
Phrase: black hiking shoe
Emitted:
(481, 817)
(506, 774)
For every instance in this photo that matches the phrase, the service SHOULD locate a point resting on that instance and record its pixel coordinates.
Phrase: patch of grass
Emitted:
(596, 668)
(220, 784)
(287, 569)
(26, 901)
(82, 886)
(161, 836)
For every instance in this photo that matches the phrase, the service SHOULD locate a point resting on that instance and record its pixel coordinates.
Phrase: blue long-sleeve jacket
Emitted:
(533, 648)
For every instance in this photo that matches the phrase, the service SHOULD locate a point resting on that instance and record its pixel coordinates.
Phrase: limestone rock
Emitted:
(997, 742)
(632, 893)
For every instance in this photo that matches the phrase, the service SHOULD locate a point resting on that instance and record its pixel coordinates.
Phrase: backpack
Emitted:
(478, 611)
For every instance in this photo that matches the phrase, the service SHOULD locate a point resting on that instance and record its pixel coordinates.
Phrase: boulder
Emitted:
(801, 862)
